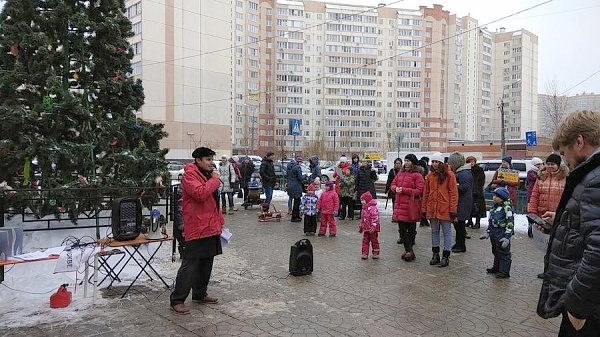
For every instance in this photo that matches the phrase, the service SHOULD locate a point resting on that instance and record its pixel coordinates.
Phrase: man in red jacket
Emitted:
(202, 226)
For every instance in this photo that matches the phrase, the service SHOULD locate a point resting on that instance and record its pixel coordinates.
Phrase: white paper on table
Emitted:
(29, 256)
(225, 237)
(54, 250)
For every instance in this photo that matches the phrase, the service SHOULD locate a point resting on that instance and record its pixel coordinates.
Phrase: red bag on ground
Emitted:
(61, 298)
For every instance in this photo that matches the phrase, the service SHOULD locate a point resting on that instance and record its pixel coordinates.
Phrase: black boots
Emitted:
(436, 256)
(445, 259)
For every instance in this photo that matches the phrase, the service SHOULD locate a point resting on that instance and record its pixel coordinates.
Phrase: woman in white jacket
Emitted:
(228, 178)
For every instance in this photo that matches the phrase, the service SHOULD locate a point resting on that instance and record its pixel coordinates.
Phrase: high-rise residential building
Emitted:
(553, 108)
(515, 83)
(182, 52)
(374, 79)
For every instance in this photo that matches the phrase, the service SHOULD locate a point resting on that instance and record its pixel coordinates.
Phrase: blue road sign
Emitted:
(295, 127)
(531, 138)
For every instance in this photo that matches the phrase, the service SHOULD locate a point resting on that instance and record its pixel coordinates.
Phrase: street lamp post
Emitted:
(502, 122)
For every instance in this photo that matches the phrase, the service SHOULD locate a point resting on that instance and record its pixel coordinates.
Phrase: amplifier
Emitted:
(126, 218)
(301, 258)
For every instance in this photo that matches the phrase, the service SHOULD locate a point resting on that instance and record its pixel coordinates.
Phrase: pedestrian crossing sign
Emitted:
(295, 127)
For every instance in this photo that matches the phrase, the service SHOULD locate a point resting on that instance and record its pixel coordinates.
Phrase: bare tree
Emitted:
(316, 146)
(554, 107)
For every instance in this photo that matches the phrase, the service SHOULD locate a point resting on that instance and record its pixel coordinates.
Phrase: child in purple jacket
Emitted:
(369, 225)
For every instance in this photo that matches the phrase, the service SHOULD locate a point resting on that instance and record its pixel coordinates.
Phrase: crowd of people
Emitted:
(438, 192)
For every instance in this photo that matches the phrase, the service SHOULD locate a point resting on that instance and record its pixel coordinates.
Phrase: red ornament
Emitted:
(115, 142)
(117, 77)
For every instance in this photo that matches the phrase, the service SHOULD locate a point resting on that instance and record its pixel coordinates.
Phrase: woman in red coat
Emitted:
(408, 187)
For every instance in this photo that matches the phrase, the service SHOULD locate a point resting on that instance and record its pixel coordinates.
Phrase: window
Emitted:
(136, 48)
(253, 6)
(137, 28)
(136, 68)
(133, 10)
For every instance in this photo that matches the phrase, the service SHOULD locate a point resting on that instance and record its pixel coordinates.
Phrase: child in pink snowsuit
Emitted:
(328, 204)
(369, 225)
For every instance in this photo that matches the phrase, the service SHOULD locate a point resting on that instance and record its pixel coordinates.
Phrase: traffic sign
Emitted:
(295, 127)
(531, 138)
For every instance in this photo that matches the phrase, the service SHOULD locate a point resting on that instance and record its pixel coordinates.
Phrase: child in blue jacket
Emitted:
(500, 230)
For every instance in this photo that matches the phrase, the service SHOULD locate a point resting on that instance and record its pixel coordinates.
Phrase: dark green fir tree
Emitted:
(68, 102)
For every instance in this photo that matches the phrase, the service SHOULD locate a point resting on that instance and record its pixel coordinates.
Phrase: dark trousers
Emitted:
(591, 328)
(461, 234)
(296, 208)
(347, 207)
(229, 198)
(310, 223)
(194, 275)
(245, 189)
(408, 232)
(502, 257)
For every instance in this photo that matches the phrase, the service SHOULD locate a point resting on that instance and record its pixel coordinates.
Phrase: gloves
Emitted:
(504, 242)
(485, 236)
(508, 233)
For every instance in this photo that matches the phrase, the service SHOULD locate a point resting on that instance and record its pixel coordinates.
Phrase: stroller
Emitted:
(254, 190)
(267, 215)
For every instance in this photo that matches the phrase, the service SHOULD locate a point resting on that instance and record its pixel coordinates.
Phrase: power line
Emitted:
(576, 85)
(269, 37)
(375, 62)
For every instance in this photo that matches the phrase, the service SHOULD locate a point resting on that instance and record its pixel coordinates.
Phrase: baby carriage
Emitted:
(254, 190)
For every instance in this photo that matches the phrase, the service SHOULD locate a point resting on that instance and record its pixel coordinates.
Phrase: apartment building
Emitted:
(553, 108)
(515, 83)
(182, 52)
(375, 79)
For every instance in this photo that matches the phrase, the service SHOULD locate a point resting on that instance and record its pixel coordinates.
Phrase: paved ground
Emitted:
(345, 296)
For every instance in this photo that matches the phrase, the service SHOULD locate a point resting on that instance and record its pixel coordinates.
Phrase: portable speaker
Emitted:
(301, 258)
(126, 218)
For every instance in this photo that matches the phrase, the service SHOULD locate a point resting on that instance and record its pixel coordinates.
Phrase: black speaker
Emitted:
(126, 218)
(301, 258)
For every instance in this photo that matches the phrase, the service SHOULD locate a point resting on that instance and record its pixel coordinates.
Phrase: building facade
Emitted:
(553, 108)
(182, 52)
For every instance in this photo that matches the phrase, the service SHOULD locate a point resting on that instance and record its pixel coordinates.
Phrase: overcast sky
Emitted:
(568, 31)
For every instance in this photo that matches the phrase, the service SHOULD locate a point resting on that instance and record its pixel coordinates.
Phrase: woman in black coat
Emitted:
(479, 208)
(365, 180)
(391, 175)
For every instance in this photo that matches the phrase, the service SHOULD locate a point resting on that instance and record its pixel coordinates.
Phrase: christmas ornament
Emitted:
(75, 76)
(52, 202)
(114, 142)
(26, 172)
(141, 144)
(137, 127)
(14, 50)
(109, 115)
(46, 103)
(117, 77)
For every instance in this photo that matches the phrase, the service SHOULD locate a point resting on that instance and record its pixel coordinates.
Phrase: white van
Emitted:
(491, 166)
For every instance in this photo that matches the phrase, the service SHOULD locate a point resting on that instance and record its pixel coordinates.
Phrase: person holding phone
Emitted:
(571, 285)
(203, 224)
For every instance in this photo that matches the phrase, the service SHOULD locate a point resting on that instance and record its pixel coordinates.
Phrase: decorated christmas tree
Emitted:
(68, 102)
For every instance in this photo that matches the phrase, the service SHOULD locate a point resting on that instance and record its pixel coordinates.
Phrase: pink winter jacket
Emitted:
(546, 192)
(329, 202)
(369, 216)
(412, 184)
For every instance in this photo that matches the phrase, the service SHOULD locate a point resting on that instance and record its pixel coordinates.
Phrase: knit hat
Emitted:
(425, 159)
(412, 158)
(456, 160)
(202, 152)
(235, 158)
(438, 156)
(554, 158)
(317, 181)
(471, 158)
(311, 188)
(269, 154)
(343, 159)
(502, 193)
(367, 197)
(507, 159)
(329, 184)
(536, 160)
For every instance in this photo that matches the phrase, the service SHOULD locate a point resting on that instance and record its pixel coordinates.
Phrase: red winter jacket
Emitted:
(412, 184)
(329, 202)
(369, 216)
(202, 217)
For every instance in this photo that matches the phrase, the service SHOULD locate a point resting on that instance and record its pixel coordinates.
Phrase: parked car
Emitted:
(327, 174)
(175, 170)
(491, 166)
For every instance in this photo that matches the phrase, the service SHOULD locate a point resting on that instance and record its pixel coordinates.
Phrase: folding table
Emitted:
(132, 248)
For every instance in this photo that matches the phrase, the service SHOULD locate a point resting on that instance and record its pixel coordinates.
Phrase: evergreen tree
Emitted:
(67, 101)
